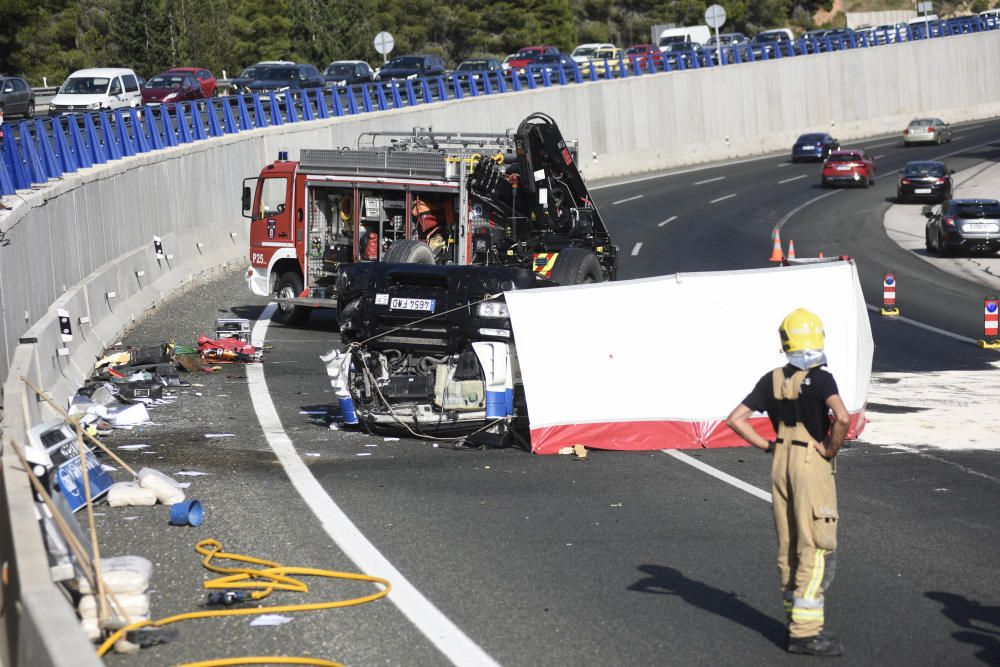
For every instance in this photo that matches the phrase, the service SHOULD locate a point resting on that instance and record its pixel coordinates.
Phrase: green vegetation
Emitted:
(51, 38)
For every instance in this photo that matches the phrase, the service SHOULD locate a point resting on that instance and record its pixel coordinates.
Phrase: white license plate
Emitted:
(425, 305)
(808, 148)
(980, 227)
(843, 168)
(922, 191)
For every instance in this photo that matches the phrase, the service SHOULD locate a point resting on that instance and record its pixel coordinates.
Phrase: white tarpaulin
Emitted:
(659, 362)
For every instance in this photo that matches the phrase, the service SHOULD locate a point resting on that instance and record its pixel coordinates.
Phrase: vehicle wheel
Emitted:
(576, 266)
(29, 113)
(942, 250)
(900, 199)
(927, 241)
(408, 251)
(348, 311)
(290, 286)
(823, 184)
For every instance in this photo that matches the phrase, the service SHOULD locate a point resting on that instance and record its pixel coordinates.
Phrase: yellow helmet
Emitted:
(801, 330)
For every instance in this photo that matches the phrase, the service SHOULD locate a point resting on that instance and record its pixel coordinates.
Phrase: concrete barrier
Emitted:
(85, 243)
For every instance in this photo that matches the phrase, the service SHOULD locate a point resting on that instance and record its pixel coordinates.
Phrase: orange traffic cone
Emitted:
(776, 253)
(791, 250)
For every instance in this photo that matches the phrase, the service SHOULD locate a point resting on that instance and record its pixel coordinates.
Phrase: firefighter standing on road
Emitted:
(798, 398)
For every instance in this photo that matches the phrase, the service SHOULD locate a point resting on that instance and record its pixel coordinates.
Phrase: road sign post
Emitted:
(383, 44)
(715, 17)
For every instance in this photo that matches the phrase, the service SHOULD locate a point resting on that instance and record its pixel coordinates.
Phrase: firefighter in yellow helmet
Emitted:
(430, 224)
(799, 399)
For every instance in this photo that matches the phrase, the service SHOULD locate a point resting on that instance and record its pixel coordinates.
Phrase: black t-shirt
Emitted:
(818, 386)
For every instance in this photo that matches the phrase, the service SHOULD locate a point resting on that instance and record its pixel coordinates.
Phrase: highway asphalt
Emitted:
(621, 558)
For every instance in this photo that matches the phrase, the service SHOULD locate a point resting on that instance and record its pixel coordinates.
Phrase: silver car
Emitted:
(926, 131)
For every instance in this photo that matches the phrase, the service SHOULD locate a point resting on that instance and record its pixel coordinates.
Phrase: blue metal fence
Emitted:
(48, 149)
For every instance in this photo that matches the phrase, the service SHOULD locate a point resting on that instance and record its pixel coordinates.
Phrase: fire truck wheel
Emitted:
(576, 266)
(408, 251)
(289, 286)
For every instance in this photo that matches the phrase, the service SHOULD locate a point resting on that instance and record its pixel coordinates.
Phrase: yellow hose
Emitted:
(262, 581)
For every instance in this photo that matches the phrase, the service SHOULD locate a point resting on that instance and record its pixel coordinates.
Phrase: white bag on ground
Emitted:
(168, 491)
(124, 494)
(93, 630)
(122, 575)
(132, 606)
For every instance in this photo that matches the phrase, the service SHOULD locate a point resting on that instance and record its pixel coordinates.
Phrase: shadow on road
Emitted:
(669, 581)
(981, 623)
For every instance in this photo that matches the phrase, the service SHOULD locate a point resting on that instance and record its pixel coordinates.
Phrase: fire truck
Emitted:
(513, 199)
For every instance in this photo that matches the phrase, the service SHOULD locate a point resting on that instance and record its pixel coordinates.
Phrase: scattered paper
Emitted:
(149, 452)
(616, 504)
(184, 485)
(106, 468)
(271, 619)
(222, 396)
(334, 426)
(129, 518)
(132, 446)
(435, 444)
(391, 439)
(220, 435)
(312, 453)
(191, 473)
(197, 393)
(563, 451)
(580, 451)
(372, 445)
(312, 412)
(363, 454)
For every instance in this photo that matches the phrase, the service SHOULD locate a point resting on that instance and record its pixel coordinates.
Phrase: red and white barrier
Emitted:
(991, 322)
(889, 308)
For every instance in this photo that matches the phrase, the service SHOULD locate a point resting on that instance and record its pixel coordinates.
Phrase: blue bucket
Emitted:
(496, 404)
(347, 410)
(187, 513)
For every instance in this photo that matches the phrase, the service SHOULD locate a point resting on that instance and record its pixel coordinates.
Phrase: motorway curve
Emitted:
(622, 558)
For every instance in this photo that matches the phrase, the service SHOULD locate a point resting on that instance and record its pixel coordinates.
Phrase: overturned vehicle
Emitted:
(429, 346)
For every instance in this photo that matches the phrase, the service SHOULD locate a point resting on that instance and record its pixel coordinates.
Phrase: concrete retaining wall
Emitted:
(75, 243)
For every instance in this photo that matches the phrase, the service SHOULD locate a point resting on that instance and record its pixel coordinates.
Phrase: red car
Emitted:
(205, 78)
(848, 167)
(641, 54)
(529, 54)
(172, 87)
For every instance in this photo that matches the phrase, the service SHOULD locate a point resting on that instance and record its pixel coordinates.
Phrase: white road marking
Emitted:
(958, 138)
(622, 201)
(709, 180)
(878, 157)
(438, 628)
(718, 474)
(667, 221)
(784, 164)
(972, 127)
(886, 143)
(635, 250)
(793, 178)
(926, 327)
(724, 198)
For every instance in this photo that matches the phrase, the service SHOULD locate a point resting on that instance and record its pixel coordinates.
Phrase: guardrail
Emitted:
(47, 149)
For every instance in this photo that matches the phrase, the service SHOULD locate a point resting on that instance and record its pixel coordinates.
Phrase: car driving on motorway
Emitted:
(969, 225)
(848, 167)
(341, 73)
(927, 179)
(209, 84)
(16, 97)
(172, 87)
(814, 146)
(95, 89)
(926, 131)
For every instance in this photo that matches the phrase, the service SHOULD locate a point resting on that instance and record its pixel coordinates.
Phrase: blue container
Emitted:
(187, 513)
(347, 410)
(496, 404)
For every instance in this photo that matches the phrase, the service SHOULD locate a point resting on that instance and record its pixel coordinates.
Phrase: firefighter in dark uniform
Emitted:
(798, 399)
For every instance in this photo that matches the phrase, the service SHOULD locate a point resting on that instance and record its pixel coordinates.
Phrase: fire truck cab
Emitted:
(512, 199)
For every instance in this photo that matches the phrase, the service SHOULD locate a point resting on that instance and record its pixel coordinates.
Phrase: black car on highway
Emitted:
(411, 67)
(924, 180)
(967, 225)
(16, 97)
(814, 146)
(280, 78)
(341, 73)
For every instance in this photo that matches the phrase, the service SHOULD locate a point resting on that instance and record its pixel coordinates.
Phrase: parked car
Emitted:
(279, 78)
(727, 39)
(95, 89)
(241, 84)
(841, 38)
(773, 43)
(926, 131)
(528, 55)
(584, 52)
(342, 73)
(848, 167)
(642, 55)
(172, 87)
(552, 63)
(411, 67)
(473, 68)
(814, 146)
(16, 97)
(207, 81)
(928, 179)
(969, 225)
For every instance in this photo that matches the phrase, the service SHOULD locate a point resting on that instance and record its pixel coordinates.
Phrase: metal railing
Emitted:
(33, 152)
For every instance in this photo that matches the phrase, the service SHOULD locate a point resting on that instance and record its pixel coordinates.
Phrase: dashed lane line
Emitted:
(878, 157)
(723, 198)
(622, 201)
(710, 180)
(925, 327)
(667, 221)
(428, 619)
(793, 178)
(718, 474)
(635, 250)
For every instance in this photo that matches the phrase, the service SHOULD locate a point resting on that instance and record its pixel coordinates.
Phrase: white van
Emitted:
(96, 89)
(695, 33)
(584, 52)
